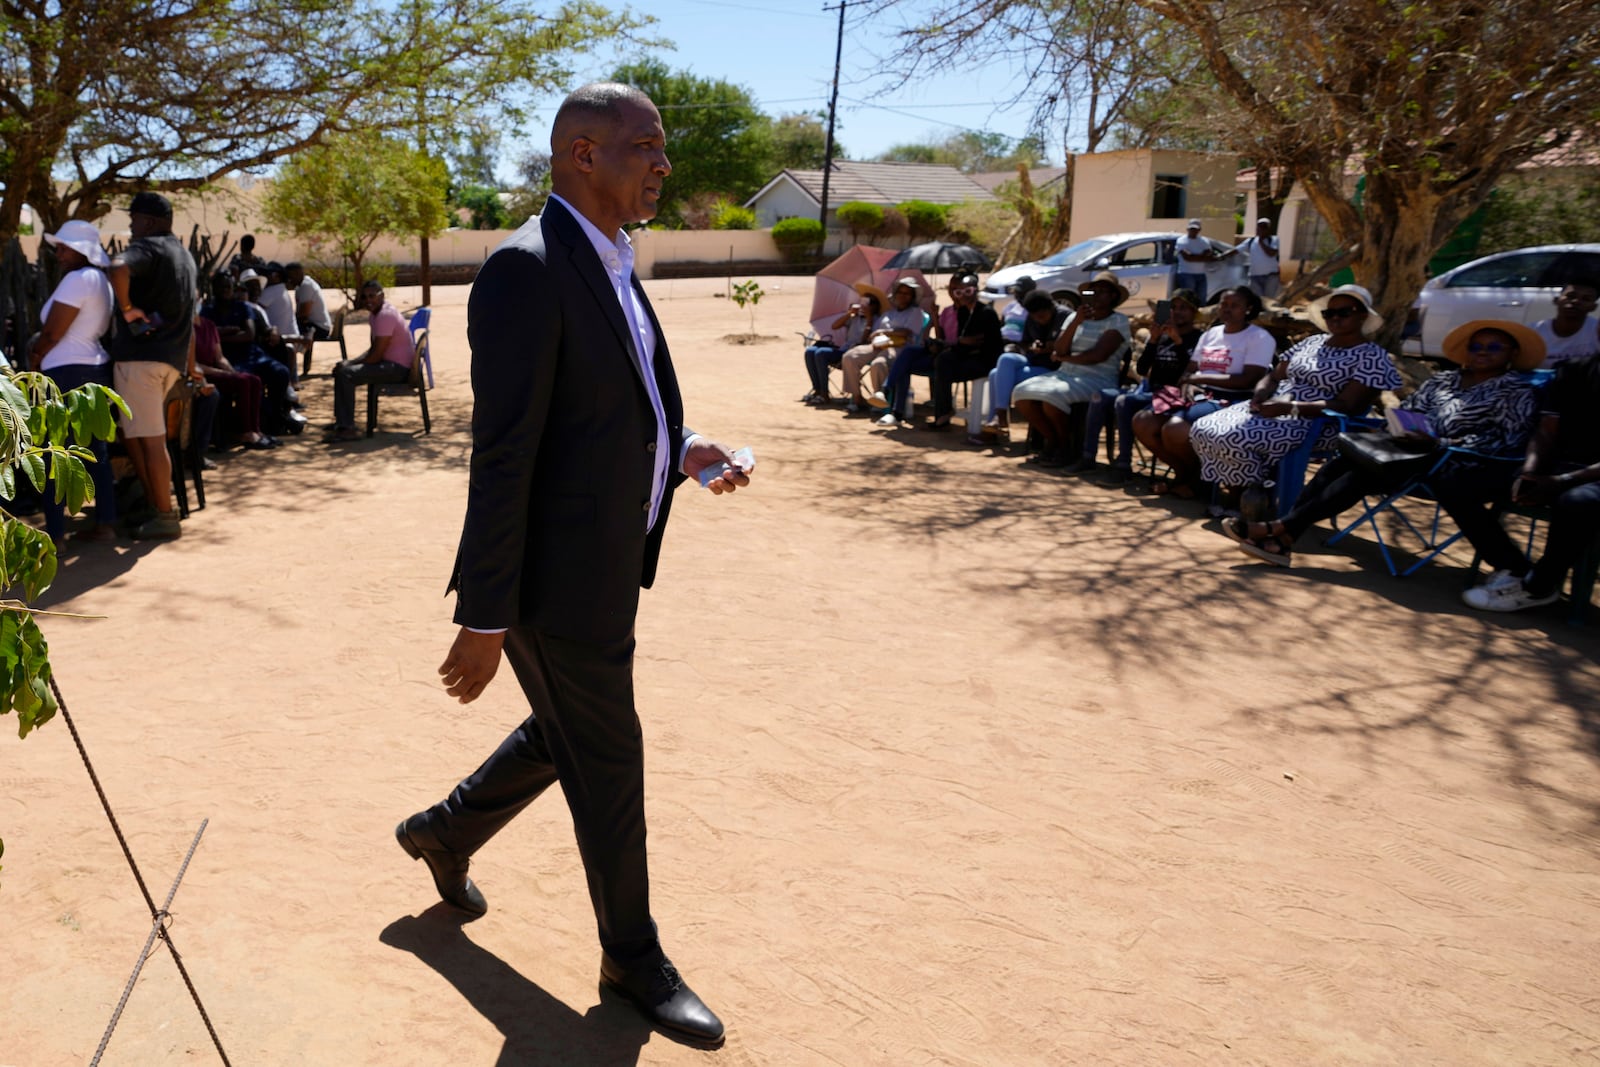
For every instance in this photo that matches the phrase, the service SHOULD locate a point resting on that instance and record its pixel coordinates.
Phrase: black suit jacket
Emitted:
(563, 442)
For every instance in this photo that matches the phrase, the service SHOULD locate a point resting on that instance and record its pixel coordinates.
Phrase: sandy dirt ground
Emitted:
(950, 762)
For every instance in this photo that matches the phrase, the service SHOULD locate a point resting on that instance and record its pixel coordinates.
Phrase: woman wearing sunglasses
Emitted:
(1341, 371)
(1479, 407)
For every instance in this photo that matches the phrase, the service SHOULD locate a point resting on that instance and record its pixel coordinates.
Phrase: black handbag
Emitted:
(1391, 462)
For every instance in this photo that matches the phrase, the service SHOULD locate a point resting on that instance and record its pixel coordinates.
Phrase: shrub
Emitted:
(797, 238)
(483, 204)
(861, 217)
(727, 215)
(983, 225)
(925, 221)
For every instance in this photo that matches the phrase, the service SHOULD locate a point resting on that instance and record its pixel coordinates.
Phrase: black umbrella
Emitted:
(940, 257)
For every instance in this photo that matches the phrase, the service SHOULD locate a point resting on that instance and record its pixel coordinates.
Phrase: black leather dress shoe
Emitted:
(662, 997)
(449, 869)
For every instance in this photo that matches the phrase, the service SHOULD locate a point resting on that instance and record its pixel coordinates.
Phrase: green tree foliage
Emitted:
(726, 215)
(716, 136)
(484, 205)
(344, 195)
(798, 238)
(924, 221)
(862, 218)
(971, 151)
(1533, 208)
(110, 96)
(982, 224)
(799, 142)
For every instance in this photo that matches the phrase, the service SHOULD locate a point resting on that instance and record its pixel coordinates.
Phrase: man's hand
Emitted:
(1271, 409)
(471, 664)
(1536, 488)
(703, 454)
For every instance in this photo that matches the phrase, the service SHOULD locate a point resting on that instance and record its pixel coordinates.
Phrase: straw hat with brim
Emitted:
(1359, 293)
(1103, 279)
(1530, 346)
(872, 290)
(82, 238)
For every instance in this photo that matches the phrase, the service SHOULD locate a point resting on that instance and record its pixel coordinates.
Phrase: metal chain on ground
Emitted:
(159, 917)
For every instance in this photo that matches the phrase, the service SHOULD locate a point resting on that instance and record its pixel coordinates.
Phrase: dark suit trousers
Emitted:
(584, 733)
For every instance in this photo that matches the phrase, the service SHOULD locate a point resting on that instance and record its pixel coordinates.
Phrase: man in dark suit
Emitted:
(577, 445)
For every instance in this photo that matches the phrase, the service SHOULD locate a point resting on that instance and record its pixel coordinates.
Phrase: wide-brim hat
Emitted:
(872, 290)
(1530, 346)
(1104, 278)
(82, 238)
(1359, 293)
(908, 283)
(248, 275)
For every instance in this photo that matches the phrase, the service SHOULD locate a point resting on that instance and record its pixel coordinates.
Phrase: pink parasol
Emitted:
(836, 285)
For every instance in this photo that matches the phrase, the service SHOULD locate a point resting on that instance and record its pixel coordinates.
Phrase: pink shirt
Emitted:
(388, 322)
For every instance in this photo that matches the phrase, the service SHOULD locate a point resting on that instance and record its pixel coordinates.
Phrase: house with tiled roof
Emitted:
(798, 193)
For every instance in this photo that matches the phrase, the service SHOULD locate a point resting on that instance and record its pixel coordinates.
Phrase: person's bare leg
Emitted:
(154, 468)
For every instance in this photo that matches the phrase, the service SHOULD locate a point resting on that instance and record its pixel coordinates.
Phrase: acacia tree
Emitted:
(1430, 103)
(111, 96)
(346, 194)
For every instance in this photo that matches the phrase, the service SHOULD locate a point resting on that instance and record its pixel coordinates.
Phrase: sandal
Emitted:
(1176, 489)
(1275, 548)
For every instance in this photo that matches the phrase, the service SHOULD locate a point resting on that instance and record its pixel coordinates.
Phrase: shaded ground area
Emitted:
(950, 762)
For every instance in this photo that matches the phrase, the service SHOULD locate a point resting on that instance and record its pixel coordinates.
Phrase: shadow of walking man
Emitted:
(538, 1028)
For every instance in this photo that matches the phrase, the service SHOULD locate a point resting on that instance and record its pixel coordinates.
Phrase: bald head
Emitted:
(593, 111)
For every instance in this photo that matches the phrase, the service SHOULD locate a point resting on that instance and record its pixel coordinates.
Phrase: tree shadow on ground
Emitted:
(538, 1028)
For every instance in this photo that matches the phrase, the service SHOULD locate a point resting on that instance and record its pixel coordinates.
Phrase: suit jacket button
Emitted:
(651, 447)
(645, 506)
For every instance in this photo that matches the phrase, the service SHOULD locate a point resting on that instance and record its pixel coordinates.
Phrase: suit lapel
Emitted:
(586, 261)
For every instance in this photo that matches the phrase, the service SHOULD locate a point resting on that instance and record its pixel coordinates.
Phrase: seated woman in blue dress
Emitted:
(1480, 407)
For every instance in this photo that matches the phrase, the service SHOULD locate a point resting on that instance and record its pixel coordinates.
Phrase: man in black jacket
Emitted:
(577, 445)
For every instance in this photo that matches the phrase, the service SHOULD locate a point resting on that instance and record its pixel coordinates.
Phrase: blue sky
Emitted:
(782, 52)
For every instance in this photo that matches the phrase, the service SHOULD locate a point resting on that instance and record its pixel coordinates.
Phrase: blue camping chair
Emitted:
(419, 322)
(1292, 468)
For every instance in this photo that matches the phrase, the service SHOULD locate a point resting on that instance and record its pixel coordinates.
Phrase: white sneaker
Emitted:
(878, 400)
(1497, 579)
(891, 419)
(1505, 596)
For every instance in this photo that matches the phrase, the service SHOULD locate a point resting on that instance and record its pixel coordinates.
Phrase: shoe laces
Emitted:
(667, 980)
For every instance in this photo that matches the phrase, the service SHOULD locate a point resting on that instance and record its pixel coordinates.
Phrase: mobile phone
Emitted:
(745, 459)
(145, 325)
(1163, 312)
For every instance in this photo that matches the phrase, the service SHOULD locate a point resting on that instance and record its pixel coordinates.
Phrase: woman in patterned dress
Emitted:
(1089, 354)
(1341, 370)
(1479, 407)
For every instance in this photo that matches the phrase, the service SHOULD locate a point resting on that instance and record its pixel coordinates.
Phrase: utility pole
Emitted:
(833, 106)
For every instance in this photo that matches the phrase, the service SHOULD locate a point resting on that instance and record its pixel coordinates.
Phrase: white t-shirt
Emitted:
(279, 306)
(309, 292)
(1220, 352)
(1586, 342)
(912, 320)
(1260, 262)
(89, 290)
(1197, 246)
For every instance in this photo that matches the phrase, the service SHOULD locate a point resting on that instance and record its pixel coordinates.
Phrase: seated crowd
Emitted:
(1222, 409)
(250, 329)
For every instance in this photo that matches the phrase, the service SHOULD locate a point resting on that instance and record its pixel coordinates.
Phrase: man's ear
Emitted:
(581, 153)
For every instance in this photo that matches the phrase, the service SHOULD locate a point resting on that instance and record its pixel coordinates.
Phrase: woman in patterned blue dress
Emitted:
(1341, 370)
(1479, 407)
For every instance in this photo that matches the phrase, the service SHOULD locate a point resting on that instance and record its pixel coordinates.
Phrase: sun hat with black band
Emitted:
(1359, 293)
(1530, 346)
(82, 238)
(1106, 278)
(152, 204)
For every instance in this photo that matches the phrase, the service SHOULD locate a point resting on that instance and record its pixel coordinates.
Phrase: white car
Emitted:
(1142, 262)
(1518, 286)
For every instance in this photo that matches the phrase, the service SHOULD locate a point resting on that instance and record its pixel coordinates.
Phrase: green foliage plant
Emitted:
(42, 432)
(726, 215)
(483, 203)
(862, 218)
(748, 293)
(345, 194)
(925, 221)
(798, 238)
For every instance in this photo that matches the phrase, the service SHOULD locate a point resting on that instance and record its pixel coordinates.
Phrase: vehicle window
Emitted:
(1572, 267)
(1078, 253)
(1143, 254)
(1517, 271)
